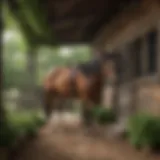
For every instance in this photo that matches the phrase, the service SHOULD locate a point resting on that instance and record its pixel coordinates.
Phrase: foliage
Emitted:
(16, 49)
(14, 64)
(26, 21)
(19, 125)
(15, 59)
(32, 20)
(103, 115)
(7, 134)
(144, 130)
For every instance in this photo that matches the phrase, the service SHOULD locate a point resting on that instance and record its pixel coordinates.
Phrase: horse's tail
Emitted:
(73, 81)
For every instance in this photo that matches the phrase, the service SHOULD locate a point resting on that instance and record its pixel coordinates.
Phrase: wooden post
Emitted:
(116, 98)
(127, 90)
(129, 96)
(116, 106)
(119, 106)
(135, 74)
(158, 52)
(144, 55)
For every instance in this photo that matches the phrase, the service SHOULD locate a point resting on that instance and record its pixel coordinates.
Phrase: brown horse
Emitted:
(84, 82)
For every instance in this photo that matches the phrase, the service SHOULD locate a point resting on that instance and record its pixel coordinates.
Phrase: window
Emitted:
(152, 42)
(136, 57)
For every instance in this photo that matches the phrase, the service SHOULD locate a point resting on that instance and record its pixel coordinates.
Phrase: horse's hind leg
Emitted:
(87, 115)
(48, 103)
(68, 105)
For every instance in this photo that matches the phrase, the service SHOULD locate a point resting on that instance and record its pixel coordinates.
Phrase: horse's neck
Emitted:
(98, 77)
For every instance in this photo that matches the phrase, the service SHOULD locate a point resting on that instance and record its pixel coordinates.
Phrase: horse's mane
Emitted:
(92, 66)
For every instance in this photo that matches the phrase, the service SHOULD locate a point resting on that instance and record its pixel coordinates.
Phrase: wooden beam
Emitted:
(70, 8)
(84, 7)
(62, 7)
(73, 22)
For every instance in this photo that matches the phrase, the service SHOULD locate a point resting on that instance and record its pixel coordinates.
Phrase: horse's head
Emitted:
(111, 64)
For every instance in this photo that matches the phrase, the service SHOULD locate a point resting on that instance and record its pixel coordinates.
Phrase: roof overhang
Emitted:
(129, 25)
(73, 21)
(78, 21)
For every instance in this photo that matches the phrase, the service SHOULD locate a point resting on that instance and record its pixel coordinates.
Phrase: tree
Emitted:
(14, 58)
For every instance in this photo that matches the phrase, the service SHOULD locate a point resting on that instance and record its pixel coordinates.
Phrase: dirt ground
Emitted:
(67, 140)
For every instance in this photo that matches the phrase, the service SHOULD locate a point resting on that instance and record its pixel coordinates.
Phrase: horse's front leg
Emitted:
(69, 105)
(87, 114)
(93, 103)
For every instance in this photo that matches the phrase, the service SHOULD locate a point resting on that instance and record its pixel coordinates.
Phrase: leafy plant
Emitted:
(8, 135)
(19, 125)
(103, 115)
(144, 130)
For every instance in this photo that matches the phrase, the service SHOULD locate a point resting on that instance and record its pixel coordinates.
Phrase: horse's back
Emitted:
(59, 80)
(51, 76)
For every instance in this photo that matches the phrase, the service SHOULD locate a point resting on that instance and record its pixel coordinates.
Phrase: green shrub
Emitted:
(8, 135)
(19, 125)
(144, 130)
(103, 115)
